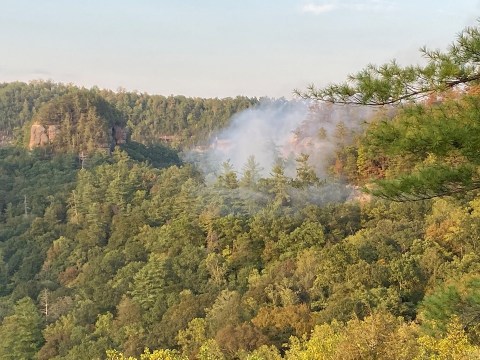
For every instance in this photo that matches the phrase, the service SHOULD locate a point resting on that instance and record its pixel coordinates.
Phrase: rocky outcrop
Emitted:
(52, 132)
(38, 136)
(78, 122)
(42, 135)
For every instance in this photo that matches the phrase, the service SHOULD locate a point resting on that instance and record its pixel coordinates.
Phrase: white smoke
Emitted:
(263, 131)
(282, 129)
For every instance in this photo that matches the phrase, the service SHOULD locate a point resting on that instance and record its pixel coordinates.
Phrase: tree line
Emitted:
(149, 118)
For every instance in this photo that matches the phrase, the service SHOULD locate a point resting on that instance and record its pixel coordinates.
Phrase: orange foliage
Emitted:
(297, 317)
(68, 276)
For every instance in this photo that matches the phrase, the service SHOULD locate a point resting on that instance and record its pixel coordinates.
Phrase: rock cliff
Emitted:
(82, 122)
(42, 135)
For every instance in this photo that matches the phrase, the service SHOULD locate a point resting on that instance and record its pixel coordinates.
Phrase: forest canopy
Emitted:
(430, 148)
(178, 120)
(134, 255)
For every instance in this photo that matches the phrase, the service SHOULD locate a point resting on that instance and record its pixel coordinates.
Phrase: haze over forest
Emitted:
(341, 224)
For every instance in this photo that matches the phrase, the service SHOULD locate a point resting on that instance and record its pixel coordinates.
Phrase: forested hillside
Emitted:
(134, 255)
(178, 120)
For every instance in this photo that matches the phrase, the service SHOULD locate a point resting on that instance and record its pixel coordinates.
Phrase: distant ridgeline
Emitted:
(78, 122)
(63, 116)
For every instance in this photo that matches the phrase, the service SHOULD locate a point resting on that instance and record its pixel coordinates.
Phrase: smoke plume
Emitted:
(281, 129)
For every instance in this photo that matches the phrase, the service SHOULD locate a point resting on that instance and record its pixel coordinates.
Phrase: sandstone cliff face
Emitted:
(41, 135)
(38, 136)
(52, 132)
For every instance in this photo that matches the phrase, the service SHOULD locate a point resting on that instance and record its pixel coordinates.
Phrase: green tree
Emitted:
(192, 337)
(279, 184)
(228, 178)
(435, 145)
(456, 298)
(21, 332)
(455, 345)
(322, 345)
(306, 175)
(391, 83)
(251, 173)
(210, 350)
(426, 151)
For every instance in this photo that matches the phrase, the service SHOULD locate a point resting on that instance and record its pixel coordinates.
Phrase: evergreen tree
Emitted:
(251, 173)
(21, 332)
(391, 83)
(305, 173)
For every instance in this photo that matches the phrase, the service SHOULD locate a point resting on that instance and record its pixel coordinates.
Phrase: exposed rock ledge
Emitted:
(41, 135)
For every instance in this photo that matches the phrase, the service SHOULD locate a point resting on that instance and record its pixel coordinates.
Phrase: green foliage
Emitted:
(454, 345)
(135, 251)
(457, 299)
(177, 120)
(21, 332)
(228, 177)
(391, 83)
(251, 173)
(305, 173)
(137, 257)
(19, 101)
(430, 149)
(425, 151)
(147, 355)
(84, 120)
(159, 156)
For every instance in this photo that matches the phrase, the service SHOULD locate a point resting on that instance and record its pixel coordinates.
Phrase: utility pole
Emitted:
(25, 205)
(44, 302)
(82, 158)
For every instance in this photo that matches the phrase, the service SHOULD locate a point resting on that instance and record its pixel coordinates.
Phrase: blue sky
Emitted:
(218, 48)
